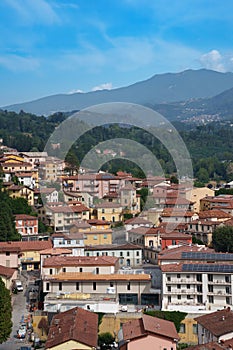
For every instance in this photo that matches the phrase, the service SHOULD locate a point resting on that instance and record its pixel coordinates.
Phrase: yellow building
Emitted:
(95, 237)
(107, 211)
(196, 194)
(16, 191)
(188, 330)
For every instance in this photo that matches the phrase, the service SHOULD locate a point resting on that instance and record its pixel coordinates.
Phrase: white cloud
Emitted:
(18, 63)
(104, 86)
(213, 60)
(75, 91)
(30, 11)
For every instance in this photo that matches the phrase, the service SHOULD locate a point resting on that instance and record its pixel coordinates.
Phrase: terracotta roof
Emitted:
(108, 205)
(47, 190)
(218, 323)
(142, 230)
(213, 213)
(98, 222)
(228, 222)
(25, 217)
(176, 253)
(76, 324)
(127, 246)
(149, 325)
(6, 271)
(55, 251)
(80, 261)
(81, 224)
(176, 235)
(167, 212)
(26, 245)
(88, 276)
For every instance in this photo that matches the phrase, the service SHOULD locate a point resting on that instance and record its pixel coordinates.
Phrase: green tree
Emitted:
(72, 162)
(222, 239)
(5, 313)
(105, 338)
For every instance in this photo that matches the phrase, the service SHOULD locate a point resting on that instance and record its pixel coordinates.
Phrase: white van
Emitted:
(18, 286)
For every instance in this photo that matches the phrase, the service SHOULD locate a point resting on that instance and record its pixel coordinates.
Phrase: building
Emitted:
(129, 254)
(73, 329)
(216, 326)
(111, 212)
(95, 283)
(8, 275)
(26, 225)
(196, 287)
(148, 333)
(73, 241)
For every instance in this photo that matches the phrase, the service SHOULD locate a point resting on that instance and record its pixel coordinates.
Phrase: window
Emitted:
(210, 278)
(178, 297)
(105, 236)
(169, 298)
(169, 278)
(77, 285)
(199, 277)
(113, 253)
(50, 271)
(127, 253)
(228, 300)
(178, 286)
(95, 237)
(228, 290)
(64, 269)
(199, 299)
(97, 270)
(199, 288)
(121, 253)
(178, 275)
(102, 211)
(138, 261)
(94, 285)
(137, 253)
(194, 328)
(211, 299)
(8, 253)
(111, 284)
(47, 286)
(128, 286)
(210, 288)
(188, 286)
(182, 328)
(80, 269)
(60, 285)
(97, 254)
(227, 279)
(88, 254)
(169, 288)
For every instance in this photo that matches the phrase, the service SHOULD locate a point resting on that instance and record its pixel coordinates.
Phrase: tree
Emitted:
(72, 162)
(105, 339)
(222, 239)
(5, 313)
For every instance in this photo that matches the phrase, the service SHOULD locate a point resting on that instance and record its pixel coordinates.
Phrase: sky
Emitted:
(65, 46)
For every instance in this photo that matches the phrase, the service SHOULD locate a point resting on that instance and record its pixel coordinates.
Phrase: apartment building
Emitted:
(199, 286)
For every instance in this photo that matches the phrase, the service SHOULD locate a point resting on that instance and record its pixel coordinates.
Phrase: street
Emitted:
(18, 310)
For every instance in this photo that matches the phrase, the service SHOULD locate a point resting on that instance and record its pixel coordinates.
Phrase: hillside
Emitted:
(160, 89)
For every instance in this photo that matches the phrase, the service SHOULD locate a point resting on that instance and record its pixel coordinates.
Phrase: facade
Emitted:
(73, 241)
(128, 254)
(8, 275)
(197, 287)
(10, 255)
(26, 225)
(148, 333)
(111, 212)
(196, 194)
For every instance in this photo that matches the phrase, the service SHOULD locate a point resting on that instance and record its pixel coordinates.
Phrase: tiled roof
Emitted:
(98, 222)
(176, 212)
(77, 325)
(127, 246)
(218, 323)
(176, 253)
(26, 245)
(80, 261)
(25, 217)
(55, 251)
(223, 345)
(88, 276)
(6, 271)
(81, 224)
(142, 230)
(149, 325)
(108, 205)
(213, 213)
(176, 235)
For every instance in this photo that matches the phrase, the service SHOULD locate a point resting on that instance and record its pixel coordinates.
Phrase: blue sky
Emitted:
(63, 46)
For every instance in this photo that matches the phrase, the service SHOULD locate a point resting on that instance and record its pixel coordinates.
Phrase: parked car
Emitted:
(18, 285)
(21, 333)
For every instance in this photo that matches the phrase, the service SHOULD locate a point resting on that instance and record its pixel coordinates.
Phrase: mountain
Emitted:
(160, 89)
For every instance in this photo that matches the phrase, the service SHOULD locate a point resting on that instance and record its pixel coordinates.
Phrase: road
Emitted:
(19, 309)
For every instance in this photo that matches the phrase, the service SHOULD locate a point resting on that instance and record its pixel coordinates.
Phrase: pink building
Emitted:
(148, 333)
(26, 225)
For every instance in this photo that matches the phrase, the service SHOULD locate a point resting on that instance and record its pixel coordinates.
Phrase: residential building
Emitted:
(10, 255)
(137, 222)
(26, 225)
(73, 329)
(72, 241)
(216, 326)
(197, 286)
(129, 254)
(111, 212)
(8, 275)
(195, 194)
(129, 200)
(149, 333)
(203, 229)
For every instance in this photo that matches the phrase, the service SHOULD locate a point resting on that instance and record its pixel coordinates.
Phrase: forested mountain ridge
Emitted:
(210, 145)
